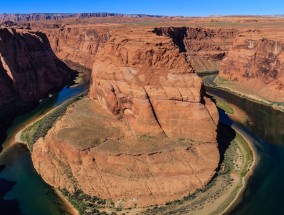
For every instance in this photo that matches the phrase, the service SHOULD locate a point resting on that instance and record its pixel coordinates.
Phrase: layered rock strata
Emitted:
(205, 47)
(29, 70)
(77, 44)
(146, 136)
(256, 63)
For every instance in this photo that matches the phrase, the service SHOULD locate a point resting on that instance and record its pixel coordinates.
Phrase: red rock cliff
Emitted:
(145, 79)
(256, 63)
(29, 70)
(205, 48)
(77, 44)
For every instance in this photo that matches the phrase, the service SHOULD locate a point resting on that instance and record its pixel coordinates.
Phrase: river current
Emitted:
(264, 192)
(22, 191)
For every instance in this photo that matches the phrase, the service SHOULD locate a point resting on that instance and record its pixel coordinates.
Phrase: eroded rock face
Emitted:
(149, 134)
(205, 48)
(77, 44)
(29, 70)
(256, 62)
(91, 150)
(146, 80)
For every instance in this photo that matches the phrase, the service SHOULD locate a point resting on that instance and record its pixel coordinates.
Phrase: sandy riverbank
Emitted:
(68, 206)
(252, 97)
(252, 167)
(70, 209)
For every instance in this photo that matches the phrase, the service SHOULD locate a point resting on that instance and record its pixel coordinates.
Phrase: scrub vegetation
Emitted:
(40, 128)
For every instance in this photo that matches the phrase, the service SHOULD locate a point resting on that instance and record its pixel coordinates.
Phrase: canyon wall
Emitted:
(146, 135)
(205, 47)
(256, 63)
(29, 70)
(77, 44)
(252, 59)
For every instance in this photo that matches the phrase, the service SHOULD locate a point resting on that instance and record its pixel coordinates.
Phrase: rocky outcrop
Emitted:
(29, 70)
(77, 44)
(148, 81)
(256, 63)
(206, 48)
(149, 132)
(91, 150)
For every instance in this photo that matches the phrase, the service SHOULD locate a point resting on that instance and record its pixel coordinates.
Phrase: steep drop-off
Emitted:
(77, 44)
(255, 63)
(252, 59)
(29, 71)
(146, 136)
(205, 48)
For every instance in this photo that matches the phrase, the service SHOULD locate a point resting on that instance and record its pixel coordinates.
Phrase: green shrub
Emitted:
(40, 128)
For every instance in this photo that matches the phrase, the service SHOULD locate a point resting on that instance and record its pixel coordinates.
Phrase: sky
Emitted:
(153, 7)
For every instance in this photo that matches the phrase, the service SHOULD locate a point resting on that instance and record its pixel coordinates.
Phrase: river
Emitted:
(264, 192)
(22, 191)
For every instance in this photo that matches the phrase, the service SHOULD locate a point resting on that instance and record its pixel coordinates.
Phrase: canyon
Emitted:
(248, 59)
(147, 132)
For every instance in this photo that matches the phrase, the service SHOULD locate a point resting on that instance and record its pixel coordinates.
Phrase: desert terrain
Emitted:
(146, 135)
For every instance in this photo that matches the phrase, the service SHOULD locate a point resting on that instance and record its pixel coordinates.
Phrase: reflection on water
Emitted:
(31, 193)
(264, 192)
(264, 120)
(22, 191)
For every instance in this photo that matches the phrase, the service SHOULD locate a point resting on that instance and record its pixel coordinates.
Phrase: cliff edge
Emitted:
(29, 70)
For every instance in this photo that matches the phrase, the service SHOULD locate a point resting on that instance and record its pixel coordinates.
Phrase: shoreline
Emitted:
(245, 179)
(68, 205)
(17, 139)
(254, 98)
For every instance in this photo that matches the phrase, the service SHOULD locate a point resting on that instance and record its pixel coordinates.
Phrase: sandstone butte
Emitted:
(146, 136)
(29, 70)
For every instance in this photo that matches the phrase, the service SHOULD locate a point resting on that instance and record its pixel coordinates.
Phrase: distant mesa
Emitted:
(58, 16)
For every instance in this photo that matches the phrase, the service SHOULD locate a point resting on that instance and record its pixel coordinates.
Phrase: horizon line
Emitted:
(145, 14)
